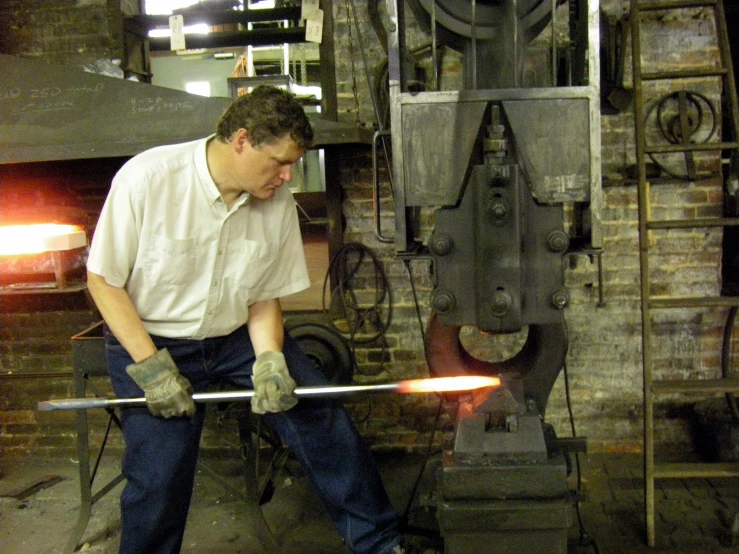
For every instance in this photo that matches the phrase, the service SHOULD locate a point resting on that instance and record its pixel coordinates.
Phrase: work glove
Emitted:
(273, 386)
(168, 394)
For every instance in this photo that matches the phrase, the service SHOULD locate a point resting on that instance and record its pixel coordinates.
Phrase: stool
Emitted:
(88, 350)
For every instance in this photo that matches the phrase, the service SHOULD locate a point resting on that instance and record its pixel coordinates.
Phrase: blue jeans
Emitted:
(160, 454)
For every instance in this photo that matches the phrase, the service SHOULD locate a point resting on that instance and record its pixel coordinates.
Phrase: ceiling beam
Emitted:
(213, 18)
(257, 37)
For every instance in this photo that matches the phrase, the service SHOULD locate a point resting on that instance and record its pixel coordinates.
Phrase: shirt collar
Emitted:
(206, 180)
(201, 168)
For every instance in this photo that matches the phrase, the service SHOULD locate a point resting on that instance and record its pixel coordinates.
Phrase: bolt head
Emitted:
(443, 302)
(560, 299)
(500, 303)
(558, 241)
(441, 245)
(497, 211)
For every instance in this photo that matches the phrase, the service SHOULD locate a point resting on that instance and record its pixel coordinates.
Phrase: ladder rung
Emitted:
(702, 386)
(673, 4)
(685, 74)
(693, 301)
(703, 146)
(695, 470)
(693, 223)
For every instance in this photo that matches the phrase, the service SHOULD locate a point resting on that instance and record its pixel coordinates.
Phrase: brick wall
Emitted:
(604, 361)
(68, 32)
(36, 364)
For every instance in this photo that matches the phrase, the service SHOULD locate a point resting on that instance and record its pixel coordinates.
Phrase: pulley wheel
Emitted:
(456, 16)
(327, 349)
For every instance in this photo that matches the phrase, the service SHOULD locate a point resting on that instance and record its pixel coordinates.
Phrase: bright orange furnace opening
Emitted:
(448, 384)
(42, 237)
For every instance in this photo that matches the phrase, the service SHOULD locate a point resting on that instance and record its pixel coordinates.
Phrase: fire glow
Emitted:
(38, 238)
(447, 384)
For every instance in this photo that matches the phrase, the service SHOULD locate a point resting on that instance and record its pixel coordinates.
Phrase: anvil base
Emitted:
(504, 492)
(505, 526)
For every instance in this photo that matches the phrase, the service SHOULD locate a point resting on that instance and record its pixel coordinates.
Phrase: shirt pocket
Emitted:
(251, 262)
(170, 261)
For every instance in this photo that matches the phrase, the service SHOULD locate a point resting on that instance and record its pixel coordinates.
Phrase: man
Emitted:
(195, 245)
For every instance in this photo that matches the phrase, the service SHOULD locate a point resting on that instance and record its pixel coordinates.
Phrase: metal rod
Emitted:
(363, 51)
(61, 280)
(204, 397)
(474, 44)
(376, 189)
(434, 54)
(373, 95)
(554, 43)
(410, 386)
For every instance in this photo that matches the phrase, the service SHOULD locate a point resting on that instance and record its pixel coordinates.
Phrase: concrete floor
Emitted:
(693, 515)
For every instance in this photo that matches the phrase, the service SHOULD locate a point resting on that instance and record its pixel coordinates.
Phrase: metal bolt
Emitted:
(441, 245)
(443, 302)
(558, 241)
(500, 303)
(497, 211)
(560, 299)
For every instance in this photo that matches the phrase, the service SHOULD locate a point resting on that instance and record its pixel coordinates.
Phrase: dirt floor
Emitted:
(694, 516)
(218, 520)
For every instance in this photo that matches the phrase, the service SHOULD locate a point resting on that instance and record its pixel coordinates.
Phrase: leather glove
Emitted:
(273, 386)
(168, 394)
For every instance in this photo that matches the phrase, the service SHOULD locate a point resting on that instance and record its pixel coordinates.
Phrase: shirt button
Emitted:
(215, 283)
(210, 312)
(220, 252)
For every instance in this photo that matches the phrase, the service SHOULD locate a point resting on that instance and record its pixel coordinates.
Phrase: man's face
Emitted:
(265, 168)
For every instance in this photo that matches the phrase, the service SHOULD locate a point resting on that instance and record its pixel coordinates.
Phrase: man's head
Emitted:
(264, 133)
(267, 113)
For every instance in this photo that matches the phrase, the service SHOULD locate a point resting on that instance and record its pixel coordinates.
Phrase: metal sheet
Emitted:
(52, 112)
(552, 139)
(437, 144)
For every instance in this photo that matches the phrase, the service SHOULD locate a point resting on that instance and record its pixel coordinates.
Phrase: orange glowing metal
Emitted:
(38, 238)
(448, 384)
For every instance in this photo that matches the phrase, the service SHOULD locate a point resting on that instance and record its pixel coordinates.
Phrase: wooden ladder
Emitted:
(653, 389)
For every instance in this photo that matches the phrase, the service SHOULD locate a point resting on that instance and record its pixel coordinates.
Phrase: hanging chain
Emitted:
(355, 91)
(303, 65)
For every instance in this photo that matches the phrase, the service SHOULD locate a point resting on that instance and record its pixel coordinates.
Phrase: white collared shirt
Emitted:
(191, 266)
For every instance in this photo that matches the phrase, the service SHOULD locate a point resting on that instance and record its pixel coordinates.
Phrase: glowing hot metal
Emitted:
(413, 386)
(38, 238)
(447, 384)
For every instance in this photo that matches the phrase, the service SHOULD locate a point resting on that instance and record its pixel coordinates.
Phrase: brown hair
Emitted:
(267, 113)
